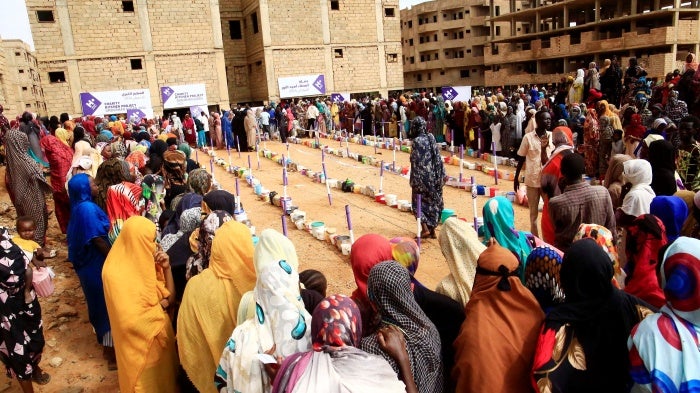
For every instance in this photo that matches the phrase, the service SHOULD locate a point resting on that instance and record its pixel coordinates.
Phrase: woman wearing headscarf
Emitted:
(582, 345)
(662, 157)
(367, 251)
(88, 247)
(122, 203)
(335, 362)
(389, 288)
(604, 238)
(591, 139)
(576, 90)
(603, 108)
(499, 223)
(203, 240)
(672, 211)
(60, 157)
(427, 177)
(110, 172)
(645, 237)
(26, 183)
(218, 134)
(209, 306)
(503, 321)
(219, 200)
(691, 228)
(251, 129)
(174, 174)
(461, 248)
(138, 287)
(562, 138)
(280, 326)
(33, 133)
(191, 164)
(22, 336)
(614, 179)
(444, 312)
(605, 139)
(638, 199)
(542, 276)
(664, 354)
(152, 196)
(82, 148)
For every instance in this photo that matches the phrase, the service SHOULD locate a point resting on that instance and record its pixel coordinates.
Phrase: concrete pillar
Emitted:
(145, 25)
(565, 19)
(76, 86)
(66, 30)
(222, 82)
(633, 7)
(216, 24)
(265, 20)
(597, 11)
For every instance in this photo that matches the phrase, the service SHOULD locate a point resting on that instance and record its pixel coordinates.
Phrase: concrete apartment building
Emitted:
(547, 40)
(444, 42)
(20, 83)
(108, 45)
(354, 44)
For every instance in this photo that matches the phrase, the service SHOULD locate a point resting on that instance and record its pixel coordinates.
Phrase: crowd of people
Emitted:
(605, 297)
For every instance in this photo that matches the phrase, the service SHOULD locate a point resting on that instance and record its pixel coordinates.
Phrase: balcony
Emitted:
(561, 46)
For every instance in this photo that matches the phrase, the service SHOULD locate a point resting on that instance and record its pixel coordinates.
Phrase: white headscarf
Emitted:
(461, 247)
(638, 199)
(280, 318)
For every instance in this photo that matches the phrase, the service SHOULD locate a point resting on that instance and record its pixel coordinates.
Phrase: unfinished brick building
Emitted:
(355, 45)
(548, 40)
(444, 42)
(20, 85)
(104, 45)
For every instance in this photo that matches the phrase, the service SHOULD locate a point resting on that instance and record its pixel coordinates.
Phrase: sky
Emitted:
(14, 22)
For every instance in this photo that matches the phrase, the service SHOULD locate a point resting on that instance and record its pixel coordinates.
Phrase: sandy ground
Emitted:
(69, 334)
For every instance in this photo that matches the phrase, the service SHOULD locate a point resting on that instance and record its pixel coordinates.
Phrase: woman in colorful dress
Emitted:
(60, 157)
(427, 177)
(22, 336)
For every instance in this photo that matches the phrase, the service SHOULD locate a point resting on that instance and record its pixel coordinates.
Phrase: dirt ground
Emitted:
(69, 335)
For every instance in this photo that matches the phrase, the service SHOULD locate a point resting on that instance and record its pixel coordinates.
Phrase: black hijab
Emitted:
(220, 200)
(601, 316)
(662, 157)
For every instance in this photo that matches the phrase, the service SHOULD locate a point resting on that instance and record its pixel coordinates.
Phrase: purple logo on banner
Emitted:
(135, 115)
(337, 97)
(320, 84)
(165, 93)
(89, 103)
(448, 93)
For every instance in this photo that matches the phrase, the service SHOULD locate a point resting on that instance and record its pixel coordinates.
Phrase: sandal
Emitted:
(41, 379)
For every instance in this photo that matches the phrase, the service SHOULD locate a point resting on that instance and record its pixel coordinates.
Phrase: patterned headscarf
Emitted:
(542, 277)
(406, 252)
(389, 288)
(664, 353)
(604, 238)
(152, 193)
(418, 126)
(200, 261)
(199, 181)
(189, 220)
(336, 322)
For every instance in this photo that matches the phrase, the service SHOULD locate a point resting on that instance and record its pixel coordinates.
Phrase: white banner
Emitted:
(299, 86)
(183, 96)
(100, 103)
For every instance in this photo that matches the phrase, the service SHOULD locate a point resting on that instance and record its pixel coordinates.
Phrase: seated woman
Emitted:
(139, 289)
(461, 248)
(280, 325)
(582, 345)
(503, 319)
(389, 289)
(336, 363)
(210, 303)
(664, 347)
(499, 223)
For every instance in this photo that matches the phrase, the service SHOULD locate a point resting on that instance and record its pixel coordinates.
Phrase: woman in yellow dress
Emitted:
(139, 288)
